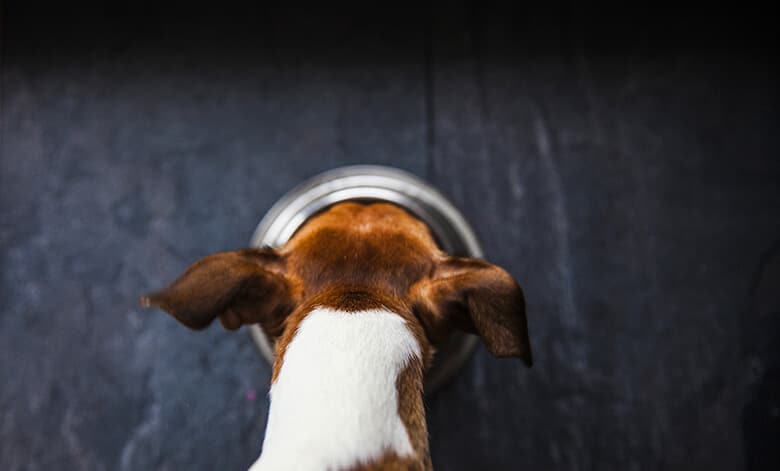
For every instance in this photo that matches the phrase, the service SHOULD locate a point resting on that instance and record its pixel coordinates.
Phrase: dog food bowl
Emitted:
(382, 184)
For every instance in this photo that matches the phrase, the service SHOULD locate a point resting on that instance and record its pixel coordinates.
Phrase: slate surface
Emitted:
(626, 173)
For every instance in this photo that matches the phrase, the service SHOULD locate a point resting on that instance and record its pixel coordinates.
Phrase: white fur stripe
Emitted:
(334, 403)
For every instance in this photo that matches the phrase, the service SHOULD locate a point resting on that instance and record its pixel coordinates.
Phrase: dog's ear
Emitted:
(476, 297)
(241, 287)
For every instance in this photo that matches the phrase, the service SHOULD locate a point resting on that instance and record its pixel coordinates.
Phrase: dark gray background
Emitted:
(622, 165)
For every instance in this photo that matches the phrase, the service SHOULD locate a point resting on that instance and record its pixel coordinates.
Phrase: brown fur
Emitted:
(412, 411)
(378, 246)
(355, 257)
(392, 462)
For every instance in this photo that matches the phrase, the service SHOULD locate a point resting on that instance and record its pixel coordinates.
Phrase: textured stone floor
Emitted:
(626, 172)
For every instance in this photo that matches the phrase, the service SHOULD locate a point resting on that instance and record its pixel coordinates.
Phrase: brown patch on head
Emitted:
(379, 245)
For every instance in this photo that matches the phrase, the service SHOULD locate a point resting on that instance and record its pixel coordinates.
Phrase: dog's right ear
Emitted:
(476, 297)
(241, 287)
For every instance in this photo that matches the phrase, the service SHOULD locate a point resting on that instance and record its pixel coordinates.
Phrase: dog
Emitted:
(355, 303)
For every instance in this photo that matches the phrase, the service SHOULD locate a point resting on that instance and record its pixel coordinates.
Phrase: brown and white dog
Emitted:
(356, 303)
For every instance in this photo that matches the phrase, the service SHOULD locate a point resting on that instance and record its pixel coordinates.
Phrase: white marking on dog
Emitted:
(334, 403)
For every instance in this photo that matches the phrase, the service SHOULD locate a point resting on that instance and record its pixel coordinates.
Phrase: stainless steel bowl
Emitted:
(375, 183)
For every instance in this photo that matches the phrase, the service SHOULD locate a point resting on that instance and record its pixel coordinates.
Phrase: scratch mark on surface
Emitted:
(515, 181)
(140, 434)
(560, 223)
(72, 440)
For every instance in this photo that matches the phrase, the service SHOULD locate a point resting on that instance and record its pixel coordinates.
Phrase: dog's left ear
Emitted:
(477, 297)
(241, 287)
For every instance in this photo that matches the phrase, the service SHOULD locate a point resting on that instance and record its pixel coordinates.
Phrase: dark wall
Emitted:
(623, 165)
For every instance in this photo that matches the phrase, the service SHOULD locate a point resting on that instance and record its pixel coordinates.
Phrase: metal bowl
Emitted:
(375, 183)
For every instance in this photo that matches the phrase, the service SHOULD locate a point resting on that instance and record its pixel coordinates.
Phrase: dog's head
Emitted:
(354, 257)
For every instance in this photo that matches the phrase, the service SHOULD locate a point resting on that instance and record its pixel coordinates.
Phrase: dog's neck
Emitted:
(347, 394)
